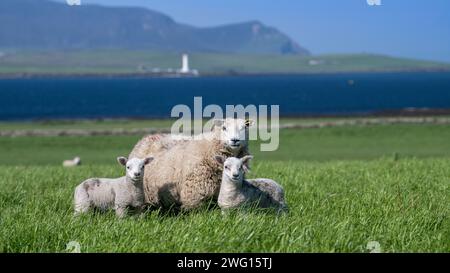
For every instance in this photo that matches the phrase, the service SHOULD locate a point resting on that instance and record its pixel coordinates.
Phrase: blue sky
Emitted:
(407, 28)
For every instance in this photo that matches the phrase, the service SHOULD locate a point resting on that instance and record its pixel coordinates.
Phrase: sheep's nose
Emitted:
(137, 174)
(235, 140)
(235, 175)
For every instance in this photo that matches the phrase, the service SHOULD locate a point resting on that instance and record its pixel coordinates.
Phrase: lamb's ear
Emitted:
(246, 163)
(220, 159)
(249, 122)
(148, 160)
(122, 160)
(218, 122)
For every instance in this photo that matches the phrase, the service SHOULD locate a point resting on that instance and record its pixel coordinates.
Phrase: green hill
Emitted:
(43, 24)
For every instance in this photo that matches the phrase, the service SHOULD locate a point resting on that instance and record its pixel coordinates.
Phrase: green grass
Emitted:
(338, 143)
(334, 207)
(112, 61)
(361, 143)
(343, 185)
(101, 124)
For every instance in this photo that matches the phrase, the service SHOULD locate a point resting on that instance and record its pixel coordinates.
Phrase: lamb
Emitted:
(186, 176)
(236, 191)
(119, 194)
(72, 163)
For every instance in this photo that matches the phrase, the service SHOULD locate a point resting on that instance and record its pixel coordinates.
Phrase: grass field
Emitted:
(344, 186)
(89, 124)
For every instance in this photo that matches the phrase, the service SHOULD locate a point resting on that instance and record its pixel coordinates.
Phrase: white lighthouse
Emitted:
(185, 64)
(185, 67)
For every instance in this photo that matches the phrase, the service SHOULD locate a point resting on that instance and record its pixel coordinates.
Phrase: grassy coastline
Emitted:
(112, 62)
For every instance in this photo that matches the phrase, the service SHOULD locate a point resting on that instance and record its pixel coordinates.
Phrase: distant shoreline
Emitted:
(397, 114)
(4, 76)
(293, 125)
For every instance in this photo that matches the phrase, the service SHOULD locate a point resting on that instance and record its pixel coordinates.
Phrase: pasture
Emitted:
(346, 187)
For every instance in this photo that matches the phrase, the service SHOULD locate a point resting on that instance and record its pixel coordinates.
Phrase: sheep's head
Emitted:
(234, 168)
(233, 133)
(134, 166)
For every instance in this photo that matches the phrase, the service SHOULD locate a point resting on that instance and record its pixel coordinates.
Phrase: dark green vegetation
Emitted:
(142, 62)
(345, 187)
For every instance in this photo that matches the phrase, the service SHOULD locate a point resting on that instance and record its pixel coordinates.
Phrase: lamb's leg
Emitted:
(121, 211)
(225, 213)
(140, 212)
(81, 200)
(283, 209)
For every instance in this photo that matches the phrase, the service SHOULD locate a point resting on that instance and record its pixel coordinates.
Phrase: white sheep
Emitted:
(72, 163)
(232, 132)
(236, 191)
(186, 175)
(119, 193)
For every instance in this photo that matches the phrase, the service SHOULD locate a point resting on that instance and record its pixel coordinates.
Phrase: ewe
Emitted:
(236, 191)
(233, 132)
(184, 174)
(119, 194)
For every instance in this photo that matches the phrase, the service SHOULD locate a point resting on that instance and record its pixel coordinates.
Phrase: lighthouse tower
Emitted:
(185, 64)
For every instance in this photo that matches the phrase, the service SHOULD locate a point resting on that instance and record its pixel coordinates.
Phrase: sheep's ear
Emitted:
(148, 160)
(246, 163)
(220, 159)
(122, 160)
(218, 122)
(249, 122)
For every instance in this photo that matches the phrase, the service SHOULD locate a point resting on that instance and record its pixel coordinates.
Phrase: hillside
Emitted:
(42, 24)
(46, 37)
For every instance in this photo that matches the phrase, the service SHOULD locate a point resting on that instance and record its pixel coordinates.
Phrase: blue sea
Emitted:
(297, 95)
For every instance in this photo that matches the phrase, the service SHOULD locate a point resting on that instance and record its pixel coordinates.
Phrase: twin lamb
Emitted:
(127, 192)
(118, 194)
(236, 191)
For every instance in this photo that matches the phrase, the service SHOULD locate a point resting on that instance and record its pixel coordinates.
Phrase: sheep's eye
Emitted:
(128, 167)
(224, 128)
(226, 167)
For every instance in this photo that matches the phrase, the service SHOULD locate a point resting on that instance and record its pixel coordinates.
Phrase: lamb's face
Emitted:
(134, 167)
(233, 133)
(234, 169)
